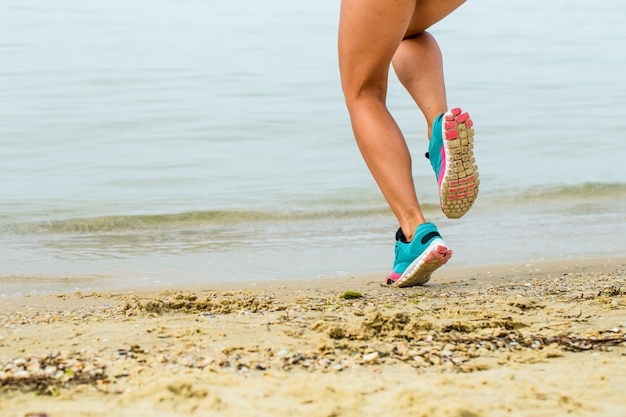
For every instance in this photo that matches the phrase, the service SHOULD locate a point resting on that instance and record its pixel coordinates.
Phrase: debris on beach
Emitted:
(45, 375)
(444, 328)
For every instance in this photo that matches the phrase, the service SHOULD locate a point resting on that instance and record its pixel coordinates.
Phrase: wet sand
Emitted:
(522, 340)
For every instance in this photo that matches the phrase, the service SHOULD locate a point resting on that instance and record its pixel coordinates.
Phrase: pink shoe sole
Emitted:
(419, 272)
(458, 186)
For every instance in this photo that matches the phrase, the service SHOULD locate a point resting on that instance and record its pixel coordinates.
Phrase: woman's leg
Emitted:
(419, 67)
(371, 32)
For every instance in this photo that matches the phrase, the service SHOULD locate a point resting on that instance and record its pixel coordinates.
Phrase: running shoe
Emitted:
(415, 261)
(451, 154)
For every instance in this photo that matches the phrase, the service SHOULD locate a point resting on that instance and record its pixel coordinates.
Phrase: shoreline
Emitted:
(445, 274)
(537, 339)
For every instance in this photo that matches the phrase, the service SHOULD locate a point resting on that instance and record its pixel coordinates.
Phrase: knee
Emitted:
(360, 93)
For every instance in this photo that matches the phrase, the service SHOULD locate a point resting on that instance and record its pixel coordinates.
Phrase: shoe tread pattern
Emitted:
(459, 187)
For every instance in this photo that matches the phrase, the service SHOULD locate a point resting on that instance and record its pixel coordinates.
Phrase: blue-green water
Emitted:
(175, 142)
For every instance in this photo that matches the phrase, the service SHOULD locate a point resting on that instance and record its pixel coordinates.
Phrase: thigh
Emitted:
(429, 12)
(370, 31)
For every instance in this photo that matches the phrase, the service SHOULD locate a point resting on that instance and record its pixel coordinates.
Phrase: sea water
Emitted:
(172, 142)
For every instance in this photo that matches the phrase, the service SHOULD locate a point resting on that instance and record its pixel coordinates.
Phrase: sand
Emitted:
(520, 340)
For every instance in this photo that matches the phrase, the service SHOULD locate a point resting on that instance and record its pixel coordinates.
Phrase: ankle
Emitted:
(433, 122)
(408, 231)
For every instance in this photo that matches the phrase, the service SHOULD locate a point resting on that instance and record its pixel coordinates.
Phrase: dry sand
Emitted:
(533, 340)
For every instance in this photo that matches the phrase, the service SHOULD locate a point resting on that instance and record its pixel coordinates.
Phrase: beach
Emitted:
(162, 143)
(187, 227)
(543, 339)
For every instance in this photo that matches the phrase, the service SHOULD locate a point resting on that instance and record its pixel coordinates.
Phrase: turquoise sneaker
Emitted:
(451, 154)
(416, 260)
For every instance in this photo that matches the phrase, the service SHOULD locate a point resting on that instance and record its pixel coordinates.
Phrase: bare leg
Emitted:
(371, 32)
(419, 67)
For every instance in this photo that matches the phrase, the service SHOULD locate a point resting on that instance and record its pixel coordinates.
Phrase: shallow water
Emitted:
(170, 142)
